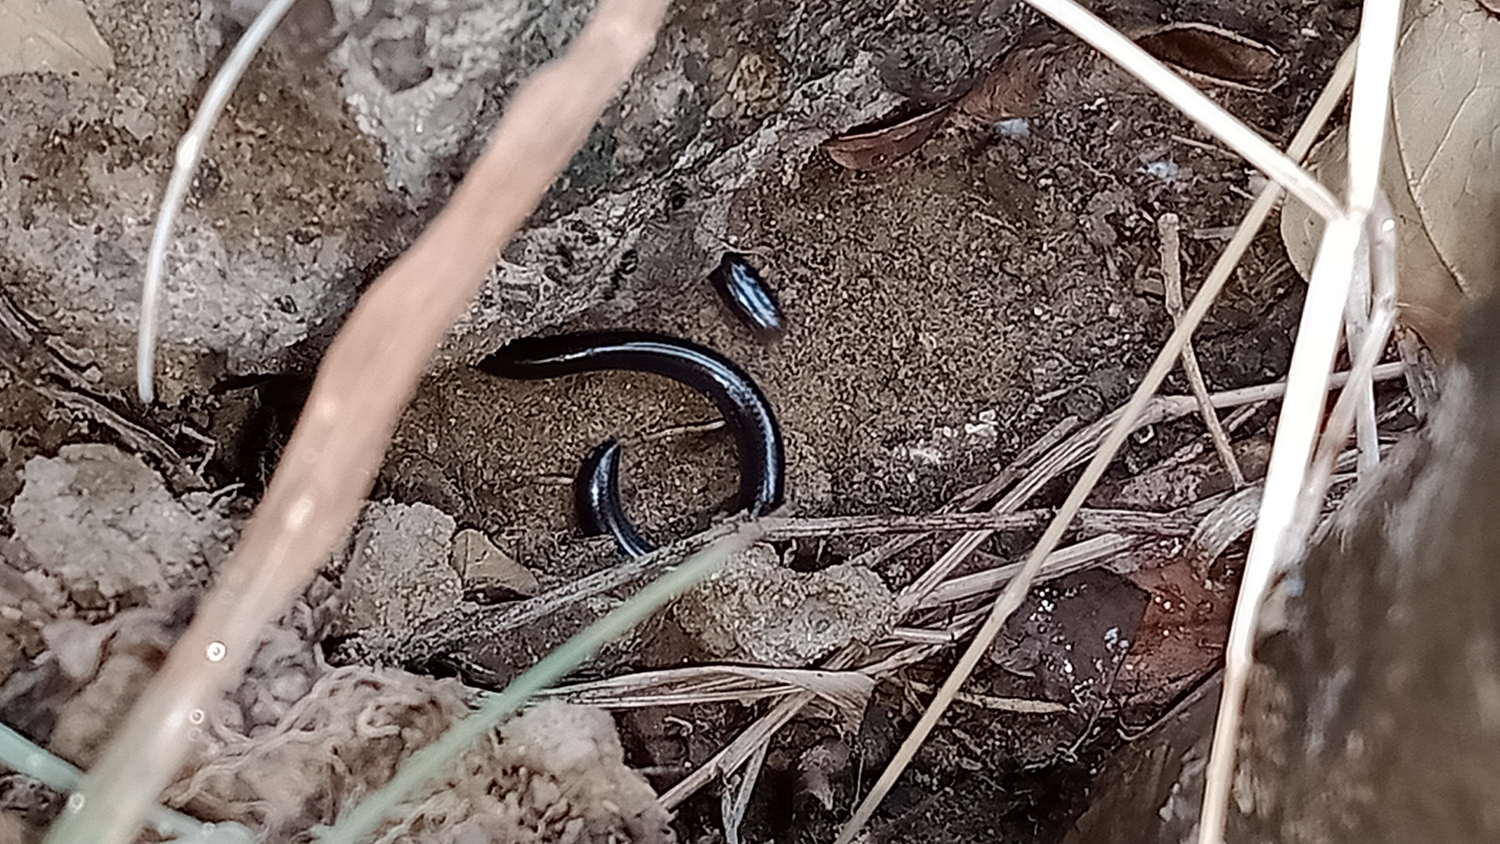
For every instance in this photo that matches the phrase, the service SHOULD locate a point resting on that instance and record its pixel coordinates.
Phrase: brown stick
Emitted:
(367, 377)
(1171, 272)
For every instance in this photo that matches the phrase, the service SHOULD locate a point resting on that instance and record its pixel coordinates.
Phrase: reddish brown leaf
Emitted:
(1014, 87)
(1209, 54)
(879, 147)
(1182, 636)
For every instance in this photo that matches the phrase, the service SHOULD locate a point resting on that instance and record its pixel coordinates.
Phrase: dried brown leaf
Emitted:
(1014, 88)
(1205, 53)
(881, 146)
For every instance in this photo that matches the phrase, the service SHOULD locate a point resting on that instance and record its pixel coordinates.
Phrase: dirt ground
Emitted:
(944, 314)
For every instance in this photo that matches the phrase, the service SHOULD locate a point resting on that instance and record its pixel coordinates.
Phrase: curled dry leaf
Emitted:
(881, 145)
(1205, 53)
(1229, 521)
(1439, 172)
(1014, 87)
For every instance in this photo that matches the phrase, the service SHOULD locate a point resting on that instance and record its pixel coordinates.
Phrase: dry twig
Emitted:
(1104, 521)
(1171, 272)
(1301, 412)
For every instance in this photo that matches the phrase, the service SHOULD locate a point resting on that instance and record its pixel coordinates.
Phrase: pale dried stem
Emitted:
(1104, 521)
(1357, 318)
(367, 377)
(1302, 411)
(744, 745)
(736, 798)
(1171, 273)
(714, 684)
(1018, 705)
(1350, 408)
(184, 167)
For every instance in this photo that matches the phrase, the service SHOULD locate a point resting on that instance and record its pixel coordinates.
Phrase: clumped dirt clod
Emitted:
(398, 572)
(756, 610)
(104, 524)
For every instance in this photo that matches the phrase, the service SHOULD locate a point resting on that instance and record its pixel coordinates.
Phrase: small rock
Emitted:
(398, 573)
(485, 568)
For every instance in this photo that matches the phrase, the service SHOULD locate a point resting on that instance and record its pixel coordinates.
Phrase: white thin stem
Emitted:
(1357, 316)
(735, 801)
(1296, 430)
(1302, 410)
(189, 153)
(1370, 102)
(1192, 102)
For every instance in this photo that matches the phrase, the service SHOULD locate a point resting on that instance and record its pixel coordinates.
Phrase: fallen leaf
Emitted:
(1446, 95)
(1014, 87)
(1181, 635)
(1429, 297)
(1067, 640)
(1440, 170)
(1205, 53)
(879, 147)
(51, 36)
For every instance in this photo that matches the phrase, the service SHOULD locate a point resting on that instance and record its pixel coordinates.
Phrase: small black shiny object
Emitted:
(749, 297)
(746, 411)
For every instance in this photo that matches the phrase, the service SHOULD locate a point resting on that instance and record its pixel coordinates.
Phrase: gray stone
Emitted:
(482, 566)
